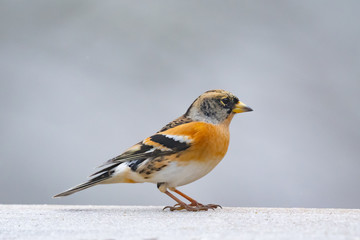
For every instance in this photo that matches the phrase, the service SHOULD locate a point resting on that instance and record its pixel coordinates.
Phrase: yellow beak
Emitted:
(241, 107)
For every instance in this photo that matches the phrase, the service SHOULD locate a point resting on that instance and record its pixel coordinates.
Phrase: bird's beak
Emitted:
(241, 107)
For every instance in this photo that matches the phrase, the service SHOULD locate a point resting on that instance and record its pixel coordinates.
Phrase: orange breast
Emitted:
(209, 142)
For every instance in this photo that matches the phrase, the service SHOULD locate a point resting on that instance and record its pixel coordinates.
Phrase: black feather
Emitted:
(169, 142)
(90, 183)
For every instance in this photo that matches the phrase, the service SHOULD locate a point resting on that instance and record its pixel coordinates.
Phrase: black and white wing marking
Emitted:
(152, 147)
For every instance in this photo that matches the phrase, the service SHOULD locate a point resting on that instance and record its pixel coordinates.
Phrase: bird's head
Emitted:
(215, 106)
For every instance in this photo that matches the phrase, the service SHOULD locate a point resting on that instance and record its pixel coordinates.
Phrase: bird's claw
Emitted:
(193, 207)
(207, 206)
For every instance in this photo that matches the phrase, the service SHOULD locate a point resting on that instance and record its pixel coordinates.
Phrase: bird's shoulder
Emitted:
(159, 144)
(194, 131)
(179, 121)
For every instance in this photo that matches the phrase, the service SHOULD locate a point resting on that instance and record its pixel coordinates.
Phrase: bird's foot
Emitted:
(193, 207)
(205, 207)
(178, 207)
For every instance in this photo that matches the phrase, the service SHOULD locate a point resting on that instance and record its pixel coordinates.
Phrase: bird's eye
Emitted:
(225, 101)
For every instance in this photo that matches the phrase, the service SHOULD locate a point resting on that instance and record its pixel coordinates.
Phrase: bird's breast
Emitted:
(209, 143)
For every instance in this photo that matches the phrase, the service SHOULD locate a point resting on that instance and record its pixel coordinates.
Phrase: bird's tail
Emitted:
(92, 182)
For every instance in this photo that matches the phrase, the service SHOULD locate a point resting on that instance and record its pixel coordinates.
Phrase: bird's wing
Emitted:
(159, 144)
(172, 139)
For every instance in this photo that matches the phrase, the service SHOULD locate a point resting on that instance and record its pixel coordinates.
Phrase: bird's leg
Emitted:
(194, 202)
(180, 204)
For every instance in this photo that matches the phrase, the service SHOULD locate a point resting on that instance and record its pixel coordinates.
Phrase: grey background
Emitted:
(81, 81)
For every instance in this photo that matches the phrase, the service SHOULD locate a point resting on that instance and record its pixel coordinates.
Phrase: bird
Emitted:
(180, 153)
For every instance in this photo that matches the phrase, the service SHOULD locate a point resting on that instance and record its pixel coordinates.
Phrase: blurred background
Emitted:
(81, 81)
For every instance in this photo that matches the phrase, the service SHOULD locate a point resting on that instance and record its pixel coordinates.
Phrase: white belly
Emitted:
(178, 175)
(174, 174)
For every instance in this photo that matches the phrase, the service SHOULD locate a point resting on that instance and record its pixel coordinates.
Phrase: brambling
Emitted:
(183, 151)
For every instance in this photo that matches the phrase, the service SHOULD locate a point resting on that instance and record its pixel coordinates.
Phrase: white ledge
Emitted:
(134, 222)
